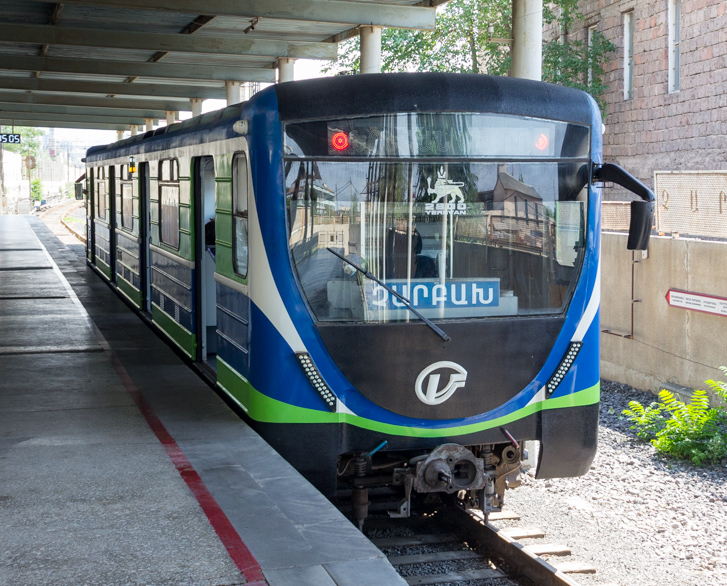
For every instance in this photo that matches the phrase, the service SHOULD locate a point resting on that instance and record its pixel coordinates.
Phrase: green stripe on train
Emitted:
(182, 337)
(133, 294)
(262, 408)
(104, 268)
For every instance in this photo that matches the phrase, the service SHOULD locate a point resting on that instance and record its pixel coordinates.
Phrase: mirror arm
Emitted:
(615, 174)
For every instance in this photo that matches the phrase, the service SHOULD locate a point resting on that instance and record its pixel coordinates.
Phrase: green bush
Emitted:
(693, 432)
(36, 190)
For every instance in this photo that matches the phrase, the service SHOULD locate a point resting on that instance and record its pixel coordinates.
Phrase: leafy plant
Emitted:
(647, 420)
(579, 64)
(694, 432)
(36, 190)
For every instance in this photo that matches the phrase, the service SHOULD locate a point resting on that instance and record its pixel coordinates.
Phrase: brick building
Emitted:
(667, 97)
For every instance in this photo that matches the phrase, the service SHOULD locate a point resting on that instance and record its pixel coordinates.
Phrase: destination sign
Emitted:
(6, 138)
(434, 294)
(697, 302)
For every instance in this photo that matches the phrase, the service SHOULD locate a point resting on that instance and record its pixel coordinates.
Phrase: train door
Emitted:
(112, 220)
(206, 291)
(145, 237)
(90, 215)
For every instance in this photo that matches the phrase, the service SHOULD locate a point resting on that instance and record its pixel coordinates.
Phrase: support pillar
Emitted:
(527, 35)
(133, 129)
(196, 106)
(232, 88)
(171, 116)
(286, 69)
(119, 134)
(370, 49)
(149, 124)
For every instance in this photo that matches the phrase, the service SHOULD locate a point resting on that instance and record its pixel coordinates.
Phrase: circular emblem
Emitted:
(432, 394)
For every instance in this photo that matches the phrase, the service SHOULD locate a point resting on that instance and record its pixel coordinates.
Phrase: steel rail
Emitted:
(522, 562)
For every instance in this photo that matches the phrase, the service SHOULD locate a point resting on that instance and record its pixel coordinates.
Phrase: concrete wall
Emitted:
(669, 344)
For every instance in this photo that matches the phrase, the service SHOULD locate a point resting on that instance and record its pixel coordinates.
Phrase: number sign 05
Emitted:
(9, 138)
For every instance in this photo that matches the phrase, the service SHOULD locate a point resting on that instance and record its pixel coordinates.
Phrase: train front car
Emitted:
(434, 247)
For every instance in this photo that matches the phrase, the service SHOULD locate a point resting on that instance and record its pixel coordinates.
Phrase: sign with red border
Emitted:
(697, 302)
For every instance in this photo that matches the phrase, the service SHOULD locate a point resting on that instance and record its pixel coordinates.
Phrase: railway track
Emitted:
(452, 545)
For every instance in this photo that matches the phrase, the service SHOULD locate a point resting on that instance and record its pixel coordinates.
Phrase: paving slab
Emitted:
(23, 259)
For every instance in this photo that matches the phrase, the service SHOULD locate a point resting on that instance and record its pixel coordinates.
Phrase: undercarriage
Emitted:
(477, 475)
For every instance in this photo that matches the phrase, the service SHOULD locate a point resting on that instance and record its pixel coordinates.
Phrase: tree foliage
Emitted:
(36, 190)
(29, 141)
(468, 38)
(575, 62)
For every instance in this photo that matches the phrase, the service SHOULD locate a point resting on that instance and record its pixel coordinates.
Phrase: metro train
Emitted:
(395, 278)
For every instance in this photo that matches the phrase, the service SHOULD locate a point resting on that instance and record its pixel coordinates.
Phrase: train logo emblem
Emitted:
(442, 189)
(433, 395)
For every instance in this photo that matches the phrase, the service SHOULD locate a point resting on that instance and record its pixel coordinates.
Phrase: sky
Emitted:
(304, 69)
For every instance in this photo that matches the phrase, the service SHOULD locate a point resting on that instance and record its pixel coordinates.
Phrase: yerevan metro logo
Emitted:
(432, 395)
(444, 189)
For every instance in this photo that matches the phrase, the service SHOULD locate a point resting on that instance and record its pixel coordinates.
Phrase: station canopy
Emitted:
(110, 64)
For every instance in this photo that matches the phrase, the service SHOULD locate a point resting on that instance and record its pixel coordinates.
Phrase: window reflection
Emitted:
(459, 240)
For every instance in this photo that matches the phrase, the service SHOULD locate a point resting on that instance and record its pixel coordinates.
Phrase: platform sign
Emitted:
(7, 138)
(697, 302)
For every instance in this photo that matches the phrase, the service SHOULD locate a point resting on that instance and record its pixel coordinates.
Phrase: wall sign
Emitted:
(697, 302)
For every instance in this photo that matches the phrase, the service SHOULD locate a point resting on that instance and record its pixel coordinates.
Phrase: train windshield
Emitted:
(452, 226)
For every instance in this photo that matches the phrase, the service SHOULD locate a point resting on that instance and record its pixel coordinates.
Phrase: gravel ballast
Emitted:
(640, 519)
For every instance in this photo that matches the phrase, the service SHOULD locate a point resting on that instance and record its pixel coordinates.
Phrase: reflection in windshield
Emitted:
(458, 240)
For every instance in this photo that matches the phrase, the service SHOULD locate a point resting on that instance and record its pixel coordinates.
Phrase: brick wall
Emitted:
(658, 130)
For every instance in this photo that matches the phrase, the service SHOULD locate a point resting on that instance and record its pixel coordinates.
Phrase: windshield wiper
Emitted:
(400, 297)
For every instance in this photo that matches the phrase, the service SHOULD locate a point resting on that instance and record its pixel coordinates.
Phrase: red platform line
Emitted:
(236, 548)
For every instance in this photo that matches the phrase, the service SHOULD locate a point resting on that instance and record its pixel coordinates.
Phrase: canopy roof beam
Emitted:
(11, 97)
(42, 109)
(108, 88)
(41, 119)
(163, 42)
(147, 69)
(334, 11)
(51, 123)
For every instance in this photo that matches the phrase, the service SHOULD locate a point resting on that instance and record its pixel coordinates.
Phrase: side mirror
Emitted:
(642, 212)
(79, 190)
(642, 219)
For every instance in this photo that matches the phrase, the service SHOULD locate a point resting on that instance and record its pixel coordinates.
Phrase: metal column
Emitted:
(232, 88)
(370, 49)
(196, 106)
(527, 34)
(286, 69)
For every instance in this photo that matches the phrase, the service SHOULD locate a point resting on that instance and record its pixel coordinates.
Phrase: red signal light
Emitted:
(339, 141)
(542, 142)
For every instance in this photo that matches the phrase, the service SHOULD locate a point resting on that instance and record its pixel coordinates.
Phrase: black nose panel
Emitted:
(500, 357)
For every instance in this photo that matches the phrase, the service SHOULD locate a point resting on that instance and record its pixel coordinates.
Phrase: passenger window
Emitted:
(241, 187)
(127, 202)
(101, 194)
(169, 202)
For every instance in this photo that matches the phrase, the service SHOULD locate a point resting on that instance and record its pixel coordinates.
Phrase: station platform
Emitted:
(120, 466)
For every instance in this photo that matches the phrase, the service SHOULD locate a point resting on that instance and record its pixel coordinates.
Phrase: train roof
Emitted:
(362, 95)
